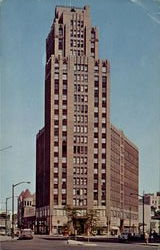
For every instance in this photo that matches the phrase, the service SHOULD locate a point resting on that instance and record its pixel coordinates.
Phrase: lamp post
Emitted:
(6, 224)
(142, 196)
(13, 186)
(3, 149)
(130, 215)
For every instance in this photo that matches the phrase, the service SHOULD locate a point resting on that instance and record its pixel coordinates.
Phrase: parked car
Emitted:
(26, 234)
(123, 237)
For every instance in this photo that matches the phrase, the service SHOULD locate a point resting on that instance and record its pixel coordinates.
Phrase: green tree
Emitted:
(92, 220)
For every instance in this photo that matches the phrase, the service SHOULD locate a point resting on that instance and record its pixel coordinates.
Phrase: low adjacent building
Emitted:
(124, 181)
(5, 222)
(151, 208)
(26, 210)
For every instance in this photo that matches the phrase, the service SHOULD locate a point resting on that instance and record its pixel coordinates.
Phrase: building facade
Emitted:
(76, 164)
(151, 212)
(124, 182)
(26, 210)
(5, 222)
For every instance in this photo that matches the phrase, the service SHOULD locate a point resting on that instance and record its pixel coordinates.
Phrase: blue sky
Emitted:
(129, 32)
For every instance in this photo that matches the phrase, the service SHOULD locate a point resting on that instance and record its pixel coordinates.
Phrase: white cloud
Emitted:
(136, 1)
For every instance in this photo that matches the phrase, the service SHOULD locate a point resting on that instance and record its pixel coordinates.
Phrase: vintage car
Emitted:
(26, 234)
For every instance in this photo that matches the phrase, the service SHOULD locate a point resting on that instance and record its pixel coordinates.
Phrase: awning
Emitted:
(114, 228)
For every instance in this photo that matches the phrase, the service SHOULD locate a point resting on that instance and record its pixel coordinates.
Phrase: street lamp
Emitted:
(142, 196)
(13, 186)
(3, 149)
(6, 214)
(130, 214)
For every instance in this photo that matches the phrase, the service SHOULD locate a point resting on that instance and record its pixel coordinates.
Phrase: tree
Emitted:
(92, 220)
(71, 214)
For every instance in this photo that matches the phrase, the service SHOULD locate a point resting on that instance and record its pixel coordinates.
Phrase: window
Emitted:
(56, 97)
(86, 78)
(86, 88)
(56, 76)
(63, 191)
(92, 35)
(95, 129)
(92, 45)
(60, 31)
(55, 180)
(64, 160)
(95, 171)
(55, 191)
(56, 171)
(104, 79)
(60, 45)
(65, 77)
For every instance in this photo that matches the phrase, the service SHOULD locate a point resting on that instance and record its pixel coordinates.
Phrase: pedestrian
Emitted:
(154, 236)
(146, 237)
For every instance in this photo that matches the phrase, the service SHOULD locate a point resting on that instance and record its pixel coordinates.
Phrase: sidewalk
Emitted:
(150, 244)
(7, 238)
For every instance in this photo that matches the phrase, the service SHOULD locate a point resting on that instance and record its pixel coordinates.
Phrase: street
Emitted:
(38, 243)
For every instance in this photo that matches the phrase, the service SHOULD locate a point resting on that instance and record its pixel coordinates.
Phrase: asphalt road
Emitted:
(43, 244)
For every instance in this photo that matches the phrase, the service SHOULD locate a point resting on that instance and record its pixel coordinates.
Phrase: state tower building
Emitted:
(82, 161)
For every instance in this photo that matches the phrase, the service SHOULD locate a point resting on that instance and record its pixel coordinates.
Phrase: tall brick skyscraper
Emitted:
(74, 164)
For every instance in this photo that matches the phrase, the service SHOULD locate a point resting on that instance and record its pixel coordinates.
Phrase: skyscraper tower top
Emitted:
(72, 33)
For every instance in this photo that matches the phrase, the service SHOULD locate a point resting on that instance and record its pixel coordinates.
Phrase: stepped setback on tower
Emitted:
(82, 161)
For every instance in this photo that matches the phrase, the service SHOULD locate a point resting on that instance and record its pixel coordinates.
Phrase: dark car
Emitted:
(26, 234)
(123, 237)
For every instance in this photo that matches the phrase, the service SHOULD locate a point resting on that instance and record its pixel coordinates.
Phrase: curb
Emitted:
(80, 243)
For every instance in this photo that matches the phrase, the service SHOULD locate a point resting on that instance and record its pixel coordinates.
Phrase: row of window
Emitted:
(77, 43)
(27, 203)
(80, 129)
(56, 128)
(77, 52)
(80, 139)
(80, 181)
(80, 191)
(81, 118)
(77, 22)
(80, 98)
(103, 150)
(103, 171)
(64, 191)
(79, 202)
(56, 77)
(81, 67)
(56, 66)
(82, 77)
(103, 70)
(81, 108)
(80, 149)
(103, 181)
(80, 88)
(96, 135)
(80, 160)
(78, 170)
(64, 159)
(56, 97)
(96, 159)
(77, 33)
